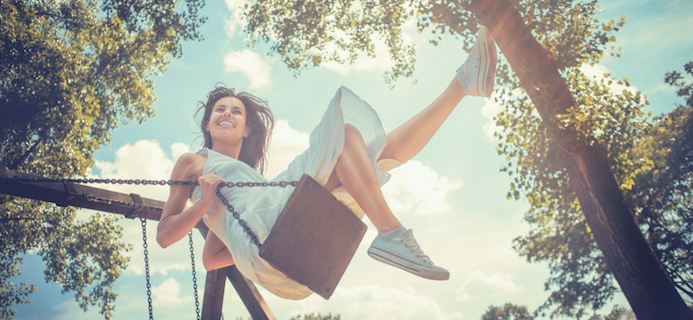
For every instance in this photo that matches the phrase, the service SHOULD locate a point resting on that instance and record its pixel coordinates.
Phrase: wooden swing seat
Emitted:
(314, 238)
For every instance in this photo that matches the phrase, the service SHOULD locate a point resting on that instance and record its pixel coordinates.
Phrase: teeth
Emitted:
(227, 124)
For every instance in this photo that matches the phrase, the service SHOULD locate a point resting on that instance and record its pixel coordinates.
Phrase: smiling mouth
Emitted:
(227, 124)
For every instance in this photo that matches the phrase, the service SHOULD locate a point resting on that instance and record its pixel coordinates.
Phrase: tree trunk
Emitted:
(643, 279)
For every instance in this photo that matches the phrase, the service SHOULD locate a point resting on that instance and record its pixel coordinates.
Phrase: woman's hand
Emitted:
(208, 187)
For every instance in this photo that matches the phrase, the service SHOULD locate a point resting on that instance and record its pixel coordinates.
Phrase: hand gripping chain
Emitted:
(242, 222)
(223, 199)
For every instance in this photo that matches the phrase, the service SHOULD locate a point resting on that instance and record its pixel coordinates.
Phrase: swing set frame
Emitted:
(312, 241)
(132, 206)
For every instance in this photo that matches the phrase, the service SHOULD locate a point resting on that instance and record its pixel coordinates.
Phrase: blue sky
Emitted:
(452, 193)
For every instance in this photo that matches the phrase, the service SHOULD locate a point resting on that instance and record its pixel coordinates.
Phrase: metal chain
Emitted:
(194, 275)
(242, 222)
(113, 181)
(223, 199)
(143, 221)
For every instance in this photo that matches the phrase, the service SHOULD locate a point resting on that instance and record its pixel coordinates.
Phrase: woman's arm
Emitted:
(215, 254)
(177, 220)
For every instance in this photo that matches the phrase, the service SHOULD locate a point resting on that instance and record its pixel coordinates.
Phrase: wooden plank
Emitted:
(256, 305)
(314, 238)
(214, 294)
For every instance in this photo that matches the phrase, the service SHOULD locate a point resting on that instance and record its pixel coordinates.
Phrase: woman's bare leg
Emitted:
(475, 77)
(354, 171)
(394, 245)
(407, 140)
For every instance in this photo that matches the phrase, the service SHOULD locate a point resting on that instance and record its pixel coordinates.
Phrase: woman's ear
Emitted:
(246, 133)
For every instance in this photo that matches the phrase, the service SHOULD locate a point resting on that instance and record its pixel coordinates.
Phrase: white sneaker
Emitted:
(477, 72)
(399, 249)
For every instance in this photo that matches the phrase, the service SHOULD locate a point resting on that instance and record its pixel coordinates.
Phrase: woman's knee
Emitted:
(352, 134)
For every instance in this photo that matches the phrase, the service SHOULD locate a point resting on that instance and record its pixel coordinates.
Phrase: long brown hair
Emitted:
(259, 118)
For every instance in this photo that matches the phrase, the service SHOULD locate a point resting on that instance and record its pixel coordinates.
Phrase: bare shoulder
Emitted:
(189, 166)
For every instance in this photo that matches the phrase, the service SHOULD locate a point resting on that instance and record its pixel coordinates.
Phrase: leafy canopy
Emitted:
(70, 72)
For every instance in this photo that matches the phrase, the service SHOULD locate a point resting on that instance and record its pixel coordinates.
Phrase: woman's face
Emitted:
(227, 121)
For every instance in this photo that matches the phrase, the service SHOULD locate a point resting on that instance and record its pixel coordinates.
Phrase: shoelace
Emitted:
(415, 247)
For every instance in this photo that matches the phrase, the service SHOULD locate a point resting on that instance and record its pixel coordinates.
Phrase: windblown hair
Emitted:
(259, 118)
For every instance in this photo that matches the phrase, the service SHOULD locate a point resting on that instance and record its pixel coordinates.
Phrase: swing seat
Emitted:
(314, 238)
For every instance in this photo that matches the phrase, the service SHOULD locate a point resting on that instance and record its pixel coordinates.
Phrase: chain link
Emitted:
(143, 221)
(194, 275)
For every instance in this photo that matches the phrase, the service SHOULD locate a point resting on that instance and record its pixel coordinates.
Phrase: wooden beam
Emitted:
(81, 196)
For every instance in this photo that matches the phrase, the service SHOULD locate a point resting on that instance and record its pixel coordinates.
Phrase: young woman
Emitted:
(348, 152)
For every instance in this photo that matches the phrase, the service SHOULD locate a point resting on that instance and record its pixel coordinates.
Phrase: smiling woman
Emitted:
(348, 150)
(239, 110)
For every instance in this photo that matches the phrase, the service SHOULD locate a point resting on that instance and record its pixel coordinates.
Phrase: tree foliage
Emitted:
(310, 33)
(513, 312)
(662, 196)
(607, 111)
(617, 313)
(70, 72)
(508, 312)
(312, 316)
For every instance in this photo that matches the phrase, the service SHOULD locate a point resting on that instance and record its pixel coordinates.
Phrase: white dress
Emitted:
(260, 206)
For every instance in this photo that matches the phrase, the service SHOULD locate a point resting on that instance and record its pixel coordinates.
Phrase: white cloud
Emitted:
(168, 294)
(596, 73)
(145, 159)
(490, 110)
(286, 144)
(236, 21)
(480, 284)
(250, 65)
(417, 188)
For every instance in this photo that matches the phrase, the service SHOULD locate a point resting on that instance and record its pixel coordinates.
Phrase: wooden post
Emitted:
(214, 294)
(251, 297)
